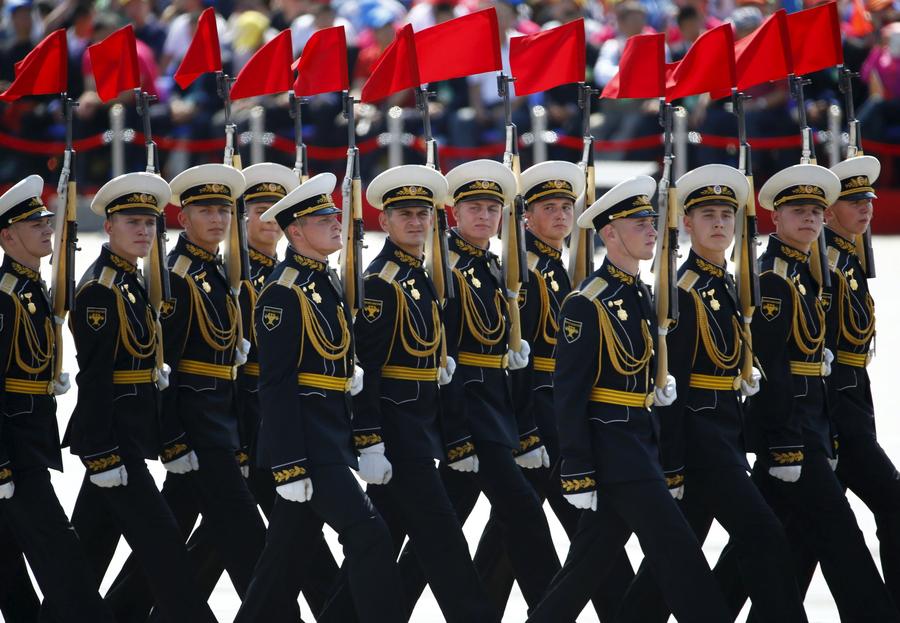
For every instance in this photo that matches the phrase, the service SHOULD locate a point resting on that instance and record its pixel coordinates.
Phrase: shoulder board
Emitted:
(8, 284)
(593, 289)
(532, 260)
(389, 271)
(288, 277)
(453, 257)
(780, 268)
(181, 266)
(833, 256)
(688, 279)
(107, 277)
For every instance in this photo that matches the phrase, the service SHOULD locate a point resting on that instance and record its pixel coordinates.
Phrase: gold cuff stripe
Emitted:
(806, 368)
(251, 369)
(545, 364)
(619, 397)
(201, 368)
(479, 360)
(24, 386)
(131, 377)
(323, 381)
(405, 373)
(857, 360)
(709, 381)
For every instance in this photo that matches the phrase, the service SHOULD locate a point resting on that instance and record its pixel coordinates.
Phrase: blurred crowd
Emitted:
(466, 112)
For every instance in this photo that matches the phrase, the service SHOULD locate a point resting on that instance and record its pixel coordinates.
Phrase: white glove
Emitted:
(788, 473)
(534, 458)
(7, 490)
(245, 471)
(677, 492)
(751, 388)
(468, 464)
(374, 467)
(356, 385)
(445, 375)
(518, 359)
(666, 395)
(828, 358)
(162, 379)
(297, 491)
(240, 354)
(183, 464)
(585, 501)
(111, 478)
(833, 463)
(62, 384)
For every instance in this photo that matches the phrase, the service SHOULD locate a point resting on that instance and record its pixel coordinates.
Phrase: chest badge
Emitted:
(128, 294)
(622, 314)
(713, 301)
(413, 292)
(854, 284)
(315, 296)
(553, 283)
(29, 304)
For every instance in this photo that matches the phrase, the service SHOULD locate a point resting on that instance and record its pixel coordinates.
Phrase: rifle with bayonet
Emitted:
(581, 241)
(744, 253)
(864, 249)
(65, 240)
(515, 268)
(301, 166)
(818, 260)
(665, 289)
(351, 219)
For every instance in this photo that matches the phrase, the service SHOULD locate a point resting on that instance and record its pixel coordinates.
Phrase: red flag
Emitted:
(323, 66)
(204, 54)
(268, 70)
(395, 70)
(44, 71)
(475, 43)
(707, 66)
(642, 69)
(114, 63)
(815, 36)
(549, 58)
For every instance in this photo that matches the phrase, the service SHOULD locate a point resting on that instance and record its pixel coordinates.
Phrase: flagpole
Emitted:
(301, 166)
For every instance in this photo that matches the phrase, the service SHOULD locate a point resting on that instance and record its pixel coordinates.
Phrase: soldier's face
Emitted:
(798, 225)
(206, 224)
(407, 227)
(637, 236)
(710, 227)
(131, 235)
(478, 220)
(261, 233)
(551, 219)
(33, 238)
(320, 234)
(850, 216)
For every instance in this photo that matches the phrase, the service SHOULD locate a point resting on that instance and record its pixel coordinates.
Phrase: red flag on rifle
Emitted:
(268, 70)
(642, 69)
(114, 63)
(765, 54)
(323, 66)
(475, 43)
(44, 71)
(395, 70)
(548, 59)
(815, 36)
(708, 66)
(204, 54)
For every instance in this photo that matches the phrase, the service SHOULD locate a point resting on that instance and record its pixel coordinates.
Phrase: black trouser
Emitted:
(41, 528)
(646, 508)
(338, 501)
(18, 601)
(138, 512)
(815, 509)
(219, 492)
(526, 533)
(414, 503)
(727, 494)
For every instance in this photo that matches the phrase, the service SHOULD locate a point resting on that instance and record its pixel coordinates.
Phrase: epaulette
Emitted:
(833, 256)
(389, 271)
(593, 289)
(288, 277)
(688, 280)
(8, 284)
(107, 277)
(182, 264)
(532, 260)
(780, 268)
(453, 257)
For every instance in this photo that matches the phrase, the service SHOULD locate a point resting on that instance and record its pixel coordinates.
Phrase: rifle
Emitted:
(744, 253)
(864, 249)
(666, 287)
(515, 267)
(818, 260)
(581, 242)
(65, 240)
(351, 219)
(301, 166)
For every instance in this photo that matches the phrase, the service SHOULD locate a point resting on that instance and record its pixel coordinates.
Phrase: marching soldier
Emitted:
(789, 416)
(305, 437)
(603, 391)
(480, 426)
(701, 440)
(29, 438)
(115, 425)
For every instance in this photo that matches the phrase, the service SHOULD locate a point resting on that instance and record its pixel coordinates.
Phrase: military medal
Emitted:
(553, 285)
(854, 284)
(621, 313)
(31, 306)
(713, 302)
(206, 287)
(128, 292)
(412, 289)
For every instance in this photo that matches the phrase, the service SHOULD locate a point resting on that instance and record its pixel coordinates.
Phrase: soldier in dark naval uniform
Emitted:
(788, 419)
(29, 437)
(603, 393)
(701, 437)
(115, 425)
(305, 438)
(481, 429)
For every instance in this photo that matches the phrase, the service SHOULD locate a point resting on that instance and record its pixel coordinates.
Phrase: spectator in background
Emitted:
(694, 9)
(321, 15)
(690, 26)
(284, 12)
(631, 19)
(79, 36)
(19, 42)
(147, 27)
(423, 13)
(181, 31)
(249, 31)
(880, 115)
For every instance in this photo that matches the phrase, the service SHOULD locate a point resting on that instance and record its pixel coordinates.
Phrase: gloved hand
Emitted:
(787, 473)
(356, 385)
(586, 500)
(7, 490)
(666, 395)
(833, 463)
(677, 492)
(241, 352)
(468, 464)
(162, 380)
(534, 458)
(752, 387)
(62, 384)
(828, 357)
(518, 359)
(111, 478)
(245, 471)
(297, 491)
(374, 467)
(183, 464)
(445, 375)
